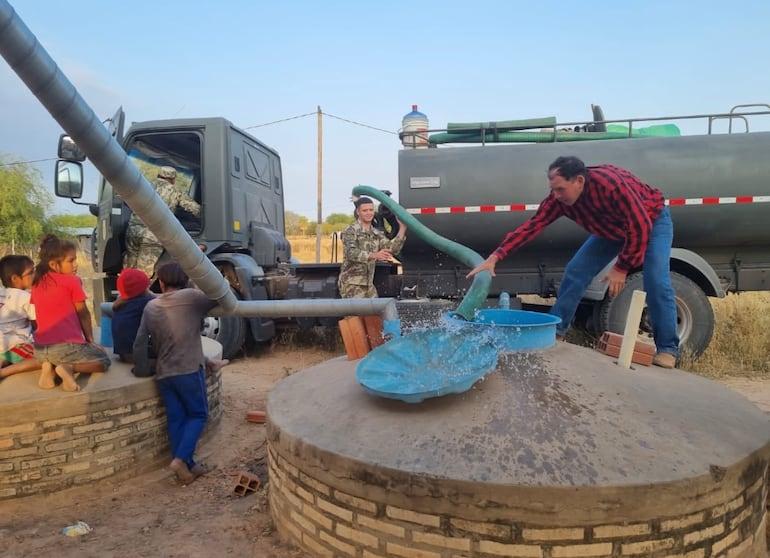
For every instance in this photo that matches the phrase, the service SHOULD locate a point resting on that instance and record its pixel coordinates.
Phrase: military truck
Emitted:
(472, 194)
(238, 181)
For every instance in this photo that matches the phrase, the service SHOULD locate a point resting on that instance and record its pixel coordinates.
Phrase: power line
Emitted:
(360, 124)
(26, 162)
(281, 120)
(355, 123)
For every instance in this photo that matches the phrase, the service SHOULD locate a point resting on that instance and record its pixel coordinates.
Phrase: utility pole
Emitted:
(319, 218)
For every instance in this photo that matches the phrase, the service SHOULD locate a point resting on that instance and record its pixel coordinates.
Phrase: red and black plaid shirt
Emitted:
(614, 204)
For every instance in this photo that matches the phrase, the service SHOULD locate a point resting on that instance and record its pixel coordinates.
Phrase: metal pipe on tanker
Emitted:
(45, 80)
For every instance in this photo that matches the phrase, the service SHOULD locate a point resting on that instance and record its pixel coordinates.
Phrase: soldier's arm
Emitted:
(189, 205)
(351, 249)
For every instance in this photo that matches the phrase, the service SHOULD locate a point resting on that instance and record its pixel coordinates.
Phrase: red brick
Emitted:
(609, 344)
(246, 483)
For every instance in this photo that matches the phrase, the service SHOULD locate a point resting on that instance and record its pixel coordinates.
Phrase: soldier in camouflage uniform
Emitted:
(363, 245)
(143, 250)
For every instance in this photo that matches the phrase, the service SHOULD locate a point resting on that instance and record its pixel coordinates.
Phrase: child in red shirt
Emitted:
(64, 338)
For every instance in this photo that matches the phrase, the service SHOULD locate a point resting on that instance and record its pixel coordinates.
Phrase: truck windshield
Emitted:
(181, 150)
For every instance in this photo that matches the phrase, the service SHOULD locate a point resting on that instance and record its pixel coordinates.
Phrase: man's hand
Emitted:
(384, 255)
(616, 280)
(487, 265)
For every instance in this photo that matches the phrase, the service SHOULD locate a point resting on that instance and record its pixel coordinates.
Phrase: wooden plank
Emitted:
(373, 326)
(353, 337)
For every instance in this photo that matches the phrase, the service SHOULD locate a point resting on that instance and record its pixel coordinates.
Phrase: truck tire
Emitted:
(695, 316)
(228, 331)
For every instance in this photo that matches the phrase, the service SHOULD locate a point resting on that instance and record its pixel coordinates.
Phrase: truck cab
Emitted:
(237, 181)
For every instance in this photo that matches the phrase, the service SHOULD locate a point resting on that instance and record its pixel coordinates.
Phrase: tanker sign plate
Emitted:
(424, 182)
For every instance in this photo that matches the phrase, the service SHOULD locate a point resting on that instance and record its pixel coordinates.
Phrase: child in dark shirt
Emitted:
(133, 286)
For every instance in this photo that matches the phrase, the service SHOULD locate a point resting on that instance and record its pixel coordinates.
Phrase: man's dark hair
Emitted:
(363, 200)
(173, 275)
(568, 167)
(14, 264)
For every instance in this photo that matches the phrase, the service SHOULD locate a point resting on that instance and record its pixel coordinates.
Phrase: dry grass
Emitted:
(303, 248)
(741, 342)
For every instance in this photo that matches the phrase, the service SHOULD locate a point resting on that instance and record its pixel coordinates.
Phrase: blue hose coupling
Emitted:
(391, 329)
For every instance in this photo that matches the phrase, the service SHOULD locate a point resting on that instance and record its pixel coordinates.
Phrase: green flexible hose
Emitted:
(477, 294)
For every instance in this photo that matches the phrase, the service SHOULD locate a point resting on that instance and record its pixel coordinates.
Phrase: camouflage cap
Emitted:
(167, 172)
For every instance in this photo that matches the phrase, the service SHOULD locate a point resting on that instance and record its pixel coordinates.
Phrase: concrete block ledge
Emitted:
(51, 440)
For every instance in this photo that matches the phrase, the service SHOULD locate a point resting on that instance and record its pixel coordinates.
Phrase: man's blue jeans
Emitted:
(595, 253)
(187, 409)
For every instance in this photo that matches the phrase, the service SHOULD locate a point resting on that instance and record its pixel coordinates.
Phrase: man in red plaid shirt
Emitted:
(627, 219)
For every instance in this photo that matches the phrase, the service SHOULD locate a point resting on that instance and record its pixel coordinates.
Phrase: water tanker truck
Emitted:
(715, 185)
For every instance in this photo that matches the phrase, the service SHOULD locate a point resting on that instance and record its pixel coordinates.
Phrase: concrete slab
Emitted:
(568, 416)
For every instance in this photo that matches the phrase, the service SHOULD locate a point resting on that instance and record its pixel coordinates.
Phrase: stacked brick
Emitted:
(330, 522)
(84, 437)
(609, 344)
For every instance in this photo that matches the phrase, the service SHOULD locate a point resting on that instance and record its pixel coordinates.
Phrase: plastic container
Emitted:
(510, 330)
(415, 121)
(105, 331)
(80, 528)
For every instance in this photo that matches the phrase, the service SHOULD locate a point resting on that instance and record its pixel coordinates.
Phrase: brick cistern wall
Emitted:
(79, 438)
(337, 515)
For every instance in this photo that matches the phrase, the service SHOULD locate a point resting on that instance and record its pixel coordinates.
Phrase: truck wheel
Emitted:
(695, 316)
(229, 331)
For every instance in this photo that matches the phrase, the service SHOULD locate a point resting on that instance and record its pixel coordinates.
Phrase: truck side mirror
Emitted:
(69, 150)
(69, 179)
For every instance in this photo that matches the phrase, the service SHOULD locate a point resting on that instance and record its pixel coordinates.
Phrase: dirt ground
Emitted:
(152, 516)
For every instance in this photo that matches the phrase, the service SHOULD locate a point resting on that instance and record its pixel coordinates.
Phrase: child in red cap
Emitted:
(133, 286)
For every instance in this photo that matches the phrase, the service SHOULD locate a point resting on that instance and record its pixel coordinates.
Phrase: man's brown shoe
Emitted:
(664, 360)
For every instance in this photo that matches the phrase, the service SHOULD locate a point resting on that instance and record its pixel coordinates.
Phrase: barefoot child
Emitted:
(173, 320)
(17, 316)
(64, 338)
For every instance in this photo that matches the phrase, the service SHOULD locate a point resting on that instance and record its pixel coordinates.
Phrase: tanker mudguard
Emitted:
(685, 262)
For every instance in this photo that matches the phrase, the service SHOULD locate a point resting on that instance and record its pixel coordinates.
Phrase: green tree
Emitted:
(336, 222)
(296, 224)
(66, 221)
(343, 219)
(24, 203)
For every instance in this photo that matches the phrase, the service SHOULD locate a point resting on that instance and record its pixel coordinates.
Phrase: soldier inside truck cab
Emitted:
(143, 250)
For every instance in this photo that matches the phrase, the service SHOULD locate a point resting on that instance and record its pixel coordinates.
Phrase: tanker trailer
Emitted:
(715, 185)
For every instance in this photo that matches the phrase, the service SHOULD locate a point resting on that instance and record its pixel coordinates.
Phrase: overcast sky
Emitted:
(255, 62)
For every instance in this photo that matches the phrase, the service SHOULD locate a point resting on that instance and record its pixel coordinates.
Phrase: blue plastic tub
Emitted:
(426, 363)
(510, 330)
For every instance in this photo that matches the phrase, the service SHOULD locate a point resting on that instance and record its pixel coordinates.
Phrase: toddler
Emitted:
(17, 316)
